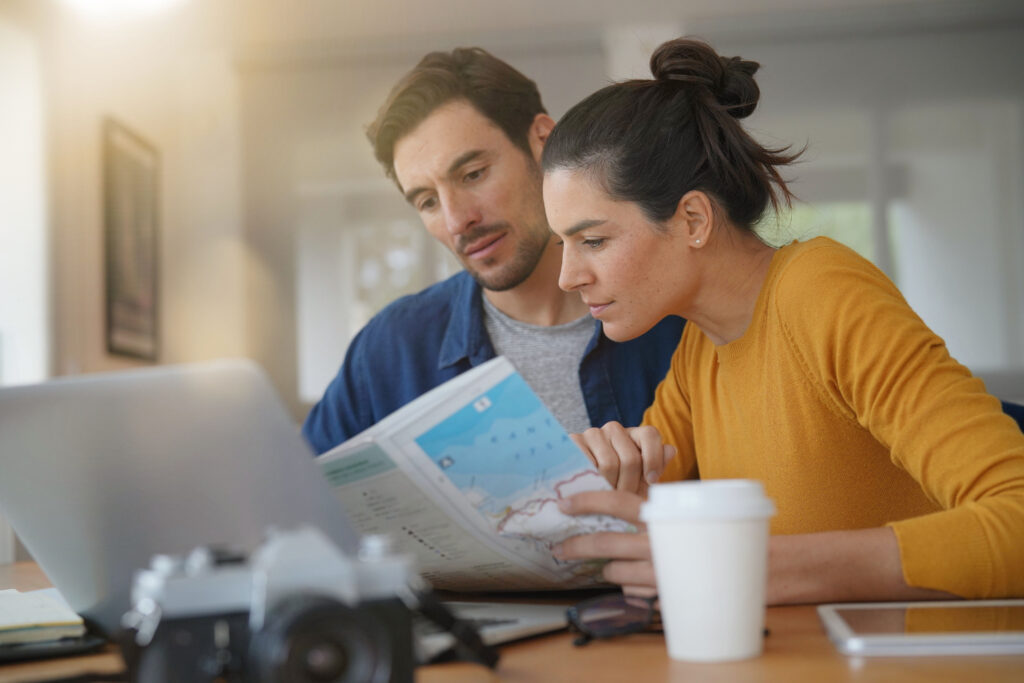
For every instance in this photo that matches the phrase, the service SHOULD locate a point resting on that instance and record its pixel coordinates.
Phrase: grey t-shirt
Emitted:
(548, 358)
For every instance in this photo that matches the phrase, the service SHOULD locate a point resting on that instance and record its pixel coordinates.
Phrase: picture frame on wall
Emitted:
(131, 203)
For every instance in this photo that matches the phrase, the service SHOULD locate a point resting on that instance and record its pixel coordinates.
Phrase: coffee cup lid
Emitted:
(709, 499)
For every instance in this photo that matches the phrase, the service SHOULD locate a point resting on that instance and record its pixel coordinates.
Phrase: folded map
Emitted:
(467, 479)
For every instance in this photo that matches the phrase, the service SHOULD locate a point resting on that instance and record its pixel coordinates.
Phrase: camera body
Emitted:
(297, 610)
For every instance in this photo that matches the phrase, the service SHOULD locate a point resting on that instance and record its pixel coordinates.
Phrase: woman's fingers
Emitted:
(622, 504)
(605, 544)
(615, 454)
(596, 447)
(653, 451)
(581, 443)
(642, 591)
(630, 459)
(638, 575)
(629, 553)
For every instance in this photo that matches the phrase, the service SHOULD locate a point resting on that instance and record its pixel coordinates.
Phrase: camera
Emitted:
(298, 610)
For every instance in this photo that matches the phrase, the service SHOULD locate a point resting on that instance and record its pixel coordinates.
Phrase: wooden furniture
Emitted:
(797, 650)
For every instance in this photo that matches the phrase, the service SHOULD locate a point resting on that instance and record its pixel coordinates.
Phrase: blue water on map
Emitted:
(505, 444)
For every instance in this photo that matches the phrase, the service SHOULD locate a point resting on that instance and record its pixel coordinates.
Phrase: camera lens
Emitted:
(321, 657)
(325, 662)
(315, 639)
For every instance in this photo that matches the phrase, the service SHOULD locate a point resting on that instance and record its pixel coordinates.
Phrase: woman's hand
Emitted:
(629, 553)
(630, 459)
(831, 566)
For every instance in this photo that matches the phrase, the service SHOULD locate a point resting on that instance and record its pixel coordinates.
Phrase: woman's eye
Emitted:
(473, 175)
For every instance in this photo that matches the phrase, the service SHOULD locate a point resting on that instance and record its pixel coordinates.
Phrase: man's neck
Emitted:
(538, 300)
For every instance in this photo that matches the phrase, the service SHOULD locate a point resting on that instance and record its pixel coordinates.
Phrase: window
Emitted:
(958, 227)
(358, 249)
(943, 222)
(848, 222)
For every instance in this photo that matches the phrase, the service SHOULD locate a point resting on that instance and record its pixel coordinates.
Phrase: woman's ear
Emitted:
(540, 129)
(695, 216)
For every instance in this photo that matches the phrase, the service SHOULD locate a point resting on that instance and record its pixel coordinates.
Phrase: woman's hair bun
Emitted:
(729, 80)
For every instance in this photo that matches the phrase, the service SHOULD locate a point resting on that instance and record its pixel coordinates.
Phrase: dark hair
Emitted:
(652, 141)
(495, 89)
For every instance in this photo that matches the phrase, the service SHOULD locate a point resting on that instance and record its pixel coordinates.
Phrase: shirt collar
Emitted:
(466, 336)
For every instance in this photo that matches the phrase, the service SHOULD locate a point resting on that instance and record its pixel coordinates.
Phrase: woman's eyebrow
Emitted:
(583, 225)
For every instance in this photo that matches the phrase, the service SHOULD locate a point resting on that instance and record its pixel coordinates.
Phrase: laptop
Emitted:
(99, 473)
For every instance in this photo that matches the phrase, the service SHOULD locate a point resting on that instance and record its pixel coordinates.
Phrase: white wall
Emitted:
(170, 78)
(24, 295)
(954, 229)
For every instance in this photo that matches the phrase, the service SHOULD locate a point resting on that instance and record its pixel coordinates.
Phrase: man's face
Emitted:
(477, 193)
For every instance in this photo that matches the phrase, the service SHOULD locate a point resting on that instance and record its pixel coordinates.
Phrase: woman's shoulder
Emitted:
(820, 252)
(821, 265)
(821, 282)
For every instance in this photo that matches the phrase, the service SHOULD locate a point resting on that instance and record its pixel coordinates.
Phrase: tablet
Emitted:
(962, 627)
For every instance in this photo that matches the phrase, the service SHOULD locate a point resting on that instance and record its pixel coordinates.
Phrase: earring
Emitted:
(697, 241)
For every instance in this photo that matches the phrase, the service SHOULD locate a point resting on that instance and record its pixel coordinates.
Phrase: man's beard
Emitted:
(522, 264)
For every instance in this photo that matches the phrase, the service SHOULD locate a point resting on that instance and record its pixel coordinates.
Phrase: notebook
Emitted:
(101, 472)
(36, 616)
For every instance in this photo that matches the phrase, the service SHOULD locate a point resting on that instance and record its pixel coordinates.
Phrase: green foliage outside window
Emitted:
(846, 222)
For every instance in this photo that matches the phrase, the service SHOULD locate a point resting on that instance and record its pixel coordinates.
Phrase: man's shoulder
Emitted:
(665, 334)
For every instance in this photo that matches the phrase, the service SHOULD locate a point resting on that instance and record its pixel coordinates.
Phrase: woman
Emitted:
(896, 475)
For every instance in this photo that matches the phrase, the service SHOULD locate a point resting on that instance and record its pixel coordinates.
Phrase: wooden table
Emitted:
(797, 650)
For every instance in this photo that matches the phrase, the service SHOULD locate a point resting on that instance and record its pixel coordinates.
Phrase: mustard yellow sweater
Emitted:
(853, 415)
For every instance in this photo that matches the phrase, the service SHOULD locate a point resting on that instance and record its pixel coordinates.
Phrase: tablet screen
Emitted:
(926, 628)
(936, 619)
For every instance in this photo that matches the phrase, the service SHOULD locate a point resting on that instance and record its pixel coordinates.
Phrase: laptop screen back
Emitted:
(98, 473)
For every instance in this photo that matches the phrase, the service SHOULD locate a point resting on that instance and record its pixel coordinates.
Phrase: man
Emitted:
(461, 135)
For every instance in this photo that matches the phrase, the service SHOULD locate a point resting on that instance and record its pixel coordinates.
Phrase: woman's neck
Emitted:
(733, 273)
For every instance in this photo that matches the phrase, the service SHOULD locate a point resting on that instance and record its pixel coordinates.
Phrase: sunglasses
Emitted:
(613, 615)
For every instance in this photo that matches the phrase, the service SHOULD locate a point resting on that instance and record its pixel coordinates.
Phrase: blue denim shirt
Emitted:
(421, 341)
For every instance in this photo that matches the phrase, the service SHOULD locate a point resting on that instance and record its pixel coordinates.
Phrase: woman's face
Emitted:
(630, 271)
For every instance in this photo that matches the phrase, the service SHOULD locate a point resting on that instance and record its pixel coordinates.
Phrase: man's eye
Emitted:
(593, 243)
(427, 204)
(474, 175)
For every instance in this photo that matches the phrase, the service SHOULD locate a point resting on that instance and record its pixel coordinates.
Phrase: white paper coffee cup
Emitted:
(709, 541)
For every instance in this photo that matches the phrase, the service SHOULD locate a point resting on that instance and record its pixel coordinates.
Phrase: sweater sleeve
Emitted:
(670, 415)
(879, 364)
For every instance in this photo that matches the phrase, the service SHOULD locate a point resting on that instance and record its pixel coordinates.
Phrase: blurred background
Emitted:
(278, 236)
